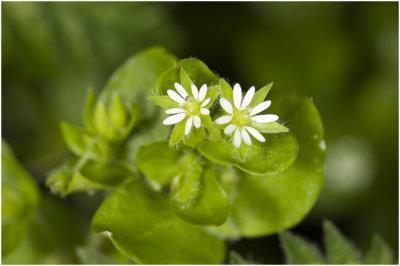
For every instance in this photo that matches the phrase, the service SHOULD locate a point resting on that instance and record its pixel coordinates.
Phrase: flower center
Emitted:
(240, 118)
(192, 107)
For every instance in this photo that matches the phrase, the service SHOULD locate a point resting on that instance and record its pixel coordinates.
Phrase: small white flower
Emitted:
(241, 116)
(188, 106)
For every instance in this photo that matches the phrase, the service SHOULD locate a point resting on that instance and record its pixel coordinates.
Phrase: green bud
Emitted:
(117, 114)
(102, 124)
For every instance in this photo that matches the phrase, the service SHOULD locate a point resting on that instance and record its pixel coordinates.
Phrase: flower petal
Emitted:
(260, 107)
(181, 90)
(175, 96)
(226, 105)
(265, 118)
(195, 92)
(246, 137)
(203, 92)
(237, 95)
(188, 125)
(175, 111)
(248, 97)
(237, 138)
(225, 119)
(206, 101)
(229, 129)
(197, 121)
(256, 134)
(204, 111)
(173, 119)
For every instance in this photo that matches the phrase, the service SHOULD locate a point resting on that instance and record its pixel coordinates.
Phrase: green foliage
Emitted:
(142, 226)
(235, 258)
(338, 249)
(19, 200)
(282, 200)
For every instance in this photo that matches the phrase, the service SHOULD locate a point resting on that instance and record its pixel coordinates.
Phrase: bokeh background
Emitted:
(343, 55)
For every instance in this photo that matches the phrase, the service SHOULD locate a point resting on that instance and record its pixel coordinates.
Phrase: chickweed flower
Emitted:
(187, 106)
(241, 117)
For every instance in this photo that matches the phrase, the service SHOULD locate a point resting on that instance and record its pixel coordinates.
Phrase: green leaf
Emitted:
(225, 90)
(186, 82)
(379, 252)
(142, 226)
(235, 258)
(260, 95)
(178, 132)
(338, 248)
(165, 159)
(298, 250)
(88, 119)
(118, 115)
(281, 201)
(102, 123)
(274, 155)
(271, 127)
(136, 78)
(163, 101)
(74, 137)
(197, 197)
(196, 72)
(19, 200)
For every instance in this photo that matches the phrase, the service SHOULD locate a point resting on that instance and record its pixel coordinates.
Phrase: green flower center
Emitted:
(192, 107)
(240, 119)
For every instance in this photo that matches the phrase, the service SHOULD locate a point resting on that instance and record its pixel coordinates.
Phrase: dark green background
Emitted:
(343, 55)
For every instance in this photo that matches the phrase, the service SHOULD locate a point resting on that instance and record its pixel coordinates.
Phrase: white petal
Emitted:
(260, 107)
(203, 92)
(248, 97)
(188, 125)
(226, 105)
(173, 119)
(265, 118)
(204, 111)
(175, 96)
(195, 92)
(175, 111)
(237, 95)
(256, 134)
(181, 90)
(237, 138)
(197, 121)
(225, 119)
(229, 129)
(246, 137)
(206, 101)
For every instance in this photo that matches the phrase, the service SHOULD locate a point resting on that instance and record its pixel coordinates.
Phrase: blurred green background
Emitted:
(343, 55)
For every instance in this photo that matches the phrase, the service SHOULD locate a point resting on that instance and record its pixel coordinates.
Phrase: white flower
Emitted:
(187, 106)
(241, 116)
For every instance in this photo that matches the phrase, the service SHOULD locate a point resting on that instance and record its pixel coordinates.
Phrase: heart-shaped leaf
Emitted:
(141, 225)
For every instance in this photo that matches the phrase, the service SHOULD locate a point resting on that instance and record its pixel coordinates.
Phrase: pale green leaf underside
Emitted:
(142, 226)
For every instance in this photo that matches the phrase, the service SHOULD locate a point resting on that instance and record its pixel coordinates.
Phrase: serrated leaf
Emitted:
(163, 101)
(260, 95)
(165, 158)
(274, 155)
(298, 250)
(338, 249)
(272, 127)
(19, 199)
(74, 137)
(282, 200)
(235, 258)
(88, 113)
(379, 252)
(148, 232)
(197, 197)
